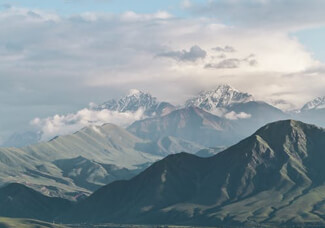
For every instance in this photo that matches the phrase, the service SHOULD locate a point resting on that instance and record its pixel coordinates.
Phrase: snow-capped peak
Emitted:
(317, 103)
(220, 97)
(132, 102)
(137, 100)
(133, 92)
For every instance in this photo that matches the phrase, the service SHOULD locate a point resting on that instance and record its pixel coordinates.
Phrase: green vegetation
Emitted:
(26, 223)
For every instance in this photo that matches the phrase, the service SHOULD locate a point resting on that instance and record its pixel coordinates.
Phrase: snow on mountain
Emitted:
(137, 100)
(317, 103)
(219, 99)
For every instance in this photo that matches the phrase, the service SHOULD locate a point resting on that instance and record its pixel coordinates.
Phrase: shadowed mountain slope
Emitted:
(19, 201)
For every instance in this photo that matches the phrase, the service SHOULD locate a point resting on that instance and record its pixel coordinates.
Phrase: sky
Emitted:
(56, 57)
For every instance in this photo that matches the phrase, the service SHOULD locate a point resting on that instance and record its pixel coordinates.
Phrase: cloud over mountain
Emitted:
(67, 124)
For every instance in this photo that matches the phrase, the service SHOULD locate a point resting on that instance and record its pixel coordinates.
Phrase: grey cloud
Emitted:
(192, 55)
(233, 63)
(227, 48)
(222, 56)
(225, 64)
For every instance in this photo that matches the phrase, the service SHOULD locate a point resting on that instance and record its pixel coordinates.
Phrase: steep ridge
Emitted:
(275, 176)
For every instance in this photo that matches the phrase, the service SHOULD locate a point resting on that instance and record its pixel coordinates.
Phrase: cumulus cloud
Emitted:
(235, 116)
(225, 64)
(67, 124)
(192, 55)
(51, 63)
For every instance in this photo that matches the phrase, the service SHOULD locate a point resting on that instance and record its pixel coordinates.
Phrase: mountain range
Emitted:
(275, 177)
(137, 101)
(75, 165)
(242, 109)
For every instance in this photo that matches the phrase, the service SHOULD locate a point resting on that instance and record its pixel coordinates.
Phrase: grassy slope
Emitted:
(26, 223)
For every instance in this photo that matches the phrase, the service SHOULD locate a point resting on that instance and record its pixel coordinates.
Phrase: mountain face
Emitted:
(90, 174)
(19, 201)
(239, 107)
(276, 176)
(22, 139)
(56, 168)
(209, 152)
(75, 165)
(313, 112)
(138, 101)
(191, 124)
(221, 97)
(259, 113)
(317, 103)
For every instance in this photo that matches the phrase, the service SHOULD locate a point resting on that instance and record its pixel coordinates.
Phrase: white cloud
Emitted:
(235, 116)
(67, 124)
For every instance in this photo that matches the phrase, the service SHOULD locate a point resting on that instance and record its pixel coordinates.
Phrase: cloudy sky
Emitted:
(58, 56)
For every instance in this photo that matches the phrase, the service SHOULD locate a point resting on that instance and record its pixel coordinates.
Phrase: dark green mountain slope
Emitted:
(275, 176)
(19, 201)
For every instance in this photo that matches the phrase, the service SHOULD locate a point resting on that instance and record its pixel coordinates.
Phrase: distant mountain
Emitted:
(313, 112)
(19, 201)
(173, 145)
(209, 152)
(317, 103)
(90, 174)
(75, 165)
(137, 100)
(22, 139)
(242, 108)
(221, 97)
(106, 144)
(259, 113)
(191, 124)
(109, 153)
(276, 176)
